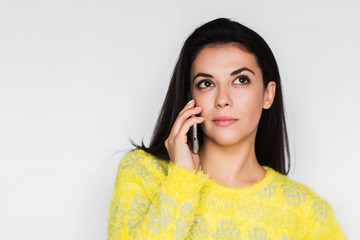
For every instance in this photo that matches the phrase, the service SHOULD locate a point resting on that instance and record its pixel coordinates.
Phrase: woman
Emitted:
(235, 186)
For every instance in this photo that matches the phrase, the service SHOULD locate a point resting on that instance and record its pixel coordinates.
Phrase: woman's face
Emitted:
(227, 83)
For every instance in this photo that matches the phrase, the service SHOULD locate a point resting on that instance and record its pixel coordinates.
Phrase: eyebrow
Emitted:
(232, 74)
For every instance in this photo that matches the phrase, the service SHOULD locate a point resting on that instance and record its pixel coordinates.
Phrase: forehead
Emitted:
(223, 58)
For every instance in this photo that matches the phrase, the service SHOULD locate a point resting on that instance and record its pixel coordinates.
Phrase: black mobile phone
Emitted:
(192, 135)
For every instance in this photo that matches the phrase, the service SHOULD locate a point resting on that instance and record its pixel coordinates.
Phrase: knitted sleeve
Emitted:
(325, 225)
(150, 203)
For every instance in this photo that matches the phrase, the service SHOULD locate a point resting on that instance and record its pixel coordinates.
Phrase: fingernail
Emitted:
(201, 118)
(190, 101)
(197, 108)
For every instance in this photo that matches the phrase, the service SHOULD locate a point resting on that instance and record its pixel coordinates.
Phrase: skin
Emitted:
(228, 153)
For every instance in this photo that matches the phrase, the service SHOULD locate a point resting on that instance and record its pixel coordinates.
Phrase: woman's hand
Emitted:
(176, 143)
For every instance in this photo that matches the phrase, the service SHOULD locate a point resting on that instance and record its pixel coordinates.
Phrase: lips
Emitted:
(224, 121)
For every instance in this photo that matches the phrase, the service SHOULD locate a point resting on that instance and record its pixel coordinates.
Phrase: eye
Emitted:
(204, 84)
(243, 79)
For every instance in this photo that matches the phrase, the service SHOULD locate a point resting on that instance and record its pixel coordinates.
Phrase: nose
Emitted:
(223, 98)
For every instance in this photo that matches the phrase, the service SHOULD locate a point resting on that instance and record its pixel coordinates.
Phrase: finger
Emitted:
(189, 123)
(183, 117)
(179, 122)
(190, 104)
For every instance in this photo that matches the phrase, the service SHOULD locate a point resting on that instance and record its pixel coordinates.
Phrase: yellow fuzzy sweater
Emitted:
(155, 199)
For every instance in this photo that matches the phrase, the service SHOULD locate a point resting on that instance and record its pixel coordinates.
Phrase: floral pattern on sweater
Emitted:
(155, 199)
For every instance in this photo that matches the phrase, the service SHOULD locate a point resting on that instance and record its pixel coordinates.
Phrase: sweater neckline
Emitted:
(257, 186)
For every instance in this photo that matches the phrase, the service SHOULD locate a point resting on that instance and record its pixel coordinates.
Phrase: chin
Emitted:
(229, 138)
(226, 140)
(225, 143)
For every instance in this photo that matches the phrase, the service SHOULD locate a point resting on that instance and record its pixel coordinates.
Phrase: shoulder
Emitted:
(138, 158)
(302, 200)
(297, 194)
(139, 165)
(298, 207)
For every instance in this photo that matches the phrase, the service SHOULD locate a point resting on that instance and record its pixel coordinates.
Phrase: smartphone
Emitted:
(193, 135)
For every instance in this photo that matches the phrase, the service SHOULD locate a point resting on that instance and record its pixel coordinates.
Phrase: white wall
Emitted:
(80, 77)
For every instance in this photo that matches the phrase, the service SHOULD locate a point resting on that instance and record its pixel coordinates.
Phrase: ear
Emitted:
(269, 95)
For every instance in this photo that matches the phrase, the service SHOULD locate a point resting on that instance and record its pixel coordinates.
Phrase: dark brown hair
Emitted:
(271, 143)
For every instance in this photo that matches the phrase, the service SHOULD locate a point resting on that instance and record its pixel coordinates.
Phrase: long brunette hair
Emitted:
(271, 143)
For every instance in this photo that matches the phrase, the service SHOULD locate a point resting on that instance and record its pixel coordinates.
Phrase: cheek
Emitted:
(203, 101)
(205, 108)
(249, 104)
(253, 105)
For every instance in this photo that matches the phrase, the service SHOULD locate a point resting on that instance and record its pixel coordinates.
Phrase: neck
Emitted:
(234, 165)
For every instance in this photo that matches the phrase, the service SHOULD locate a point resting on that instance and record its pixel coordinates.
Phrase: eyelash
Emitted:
(243, 76)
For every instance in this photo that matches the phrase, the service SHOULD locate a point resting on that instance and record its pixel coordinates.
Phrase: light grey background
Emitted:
(80, 77)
